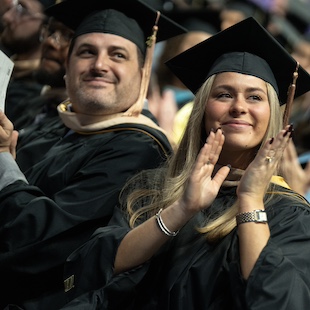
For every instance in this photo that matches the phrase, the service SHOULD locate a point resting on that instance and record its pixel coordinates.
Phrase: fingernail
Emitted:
(218, 129)
(212, 129)
(290, 129)
(291, 133)
(229, 166)
(271, 140)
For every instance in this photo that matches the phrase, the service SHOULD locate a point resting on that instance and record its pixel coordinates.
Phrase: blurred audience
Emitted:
(167, 94)
(22, 22)
(235, 11)
(300, 115)
(296, 171)
(56, 38)
(4, 6)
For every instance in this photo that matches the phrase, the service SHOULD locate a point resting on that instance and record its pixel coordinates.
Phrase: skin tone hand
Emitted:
(294, 174)
(8, 137)
(202, 188)
(200, 192)
(14, 143)
(253, 237)
(258, 174)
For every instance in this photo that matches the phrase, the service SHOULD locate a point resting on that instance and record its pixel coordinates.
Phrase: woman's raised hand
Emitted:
(258, 174)
(202, 188)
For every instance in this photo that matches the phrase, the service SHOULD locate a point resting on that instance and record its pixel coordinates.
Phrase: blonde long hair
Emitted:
(151, 190)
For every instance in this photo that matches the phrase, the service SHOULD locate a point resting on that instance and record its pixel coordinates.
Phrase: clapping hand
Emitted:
(258, 174)
(202, 187)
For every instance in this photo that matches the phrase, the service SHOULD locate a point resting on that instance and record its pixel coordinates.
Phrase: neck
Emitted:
(92, 123)
(237, 159)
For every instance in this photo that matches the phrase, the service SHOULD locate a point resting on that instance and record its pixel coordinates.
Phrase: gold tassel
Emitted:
(137, 107)
(290, 97)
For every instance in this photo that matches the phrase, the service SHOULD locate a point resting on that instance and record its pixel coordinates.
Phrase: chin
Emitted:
(238, 145)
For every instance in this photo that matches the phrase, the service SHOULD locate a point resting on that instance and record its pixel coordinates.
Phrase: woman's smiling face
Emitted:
(239, 104)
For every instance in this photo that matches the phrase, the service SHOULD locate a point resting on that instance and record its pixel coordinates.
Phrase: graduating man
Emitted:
(58, 203)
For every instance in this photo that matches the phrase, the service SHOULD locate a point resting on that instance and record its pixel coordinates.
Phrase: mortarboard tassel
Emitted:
(290, 97)
(137, 107)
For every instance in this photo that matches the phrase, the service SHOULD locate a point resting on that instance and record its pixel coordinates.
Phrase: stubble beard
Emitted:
(92, 103)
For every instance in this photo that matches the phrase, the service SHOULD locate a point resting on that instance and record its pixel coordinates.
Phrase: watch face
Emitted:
(261, 216)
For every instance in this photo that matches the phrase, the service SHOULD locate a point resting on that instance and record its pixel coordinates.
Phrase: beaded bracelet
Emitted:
(163, 227)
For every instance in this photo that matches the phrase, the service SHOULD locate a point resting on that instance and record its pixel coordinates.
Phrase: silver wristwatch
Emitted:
(257, 216)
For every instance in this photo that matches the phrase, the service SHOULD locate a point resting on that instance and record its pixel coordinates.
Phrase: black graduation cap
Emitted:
(137, 27)
(245, 47)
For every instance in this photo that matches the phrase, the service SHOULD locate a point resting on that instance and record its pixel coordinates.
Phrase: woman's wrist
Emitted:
(248, 204)
(174, 217)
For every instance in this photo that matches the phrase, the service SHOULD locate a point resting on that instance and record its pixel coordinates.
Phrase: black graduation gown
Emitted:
(190, 273)
(72, 191)
(20, 91)
(34, 141)
(30, 109)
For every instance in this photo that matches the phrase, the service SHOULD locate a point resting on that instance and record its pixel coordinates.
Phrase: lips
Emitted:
(236, 125)
(97, 79)
(236, 122)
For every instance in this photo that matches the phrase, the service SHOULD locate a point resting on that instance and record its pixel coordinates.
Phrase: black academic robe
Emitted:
(20, 91)
(72, 191)
(35, 140)
(190, 273)
(36, 109)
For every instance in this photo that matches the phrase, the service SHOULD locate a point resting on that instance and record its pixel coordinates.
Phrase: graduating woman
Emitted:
(215, 228)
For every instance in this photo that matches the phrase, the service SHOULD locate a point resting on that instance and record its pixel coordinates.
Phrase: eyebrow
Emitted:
(113, 47)
(81, 45)
(248, 89)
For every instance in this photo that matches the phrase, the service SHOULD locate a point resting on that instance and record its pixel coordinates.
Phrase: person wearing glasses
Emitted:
(22, 22)
(34, 110)
(42, 118)
(4, 6)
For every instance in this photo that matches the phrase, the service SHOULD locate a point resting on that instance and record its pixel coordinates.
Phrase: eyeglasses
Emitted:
(62, 37)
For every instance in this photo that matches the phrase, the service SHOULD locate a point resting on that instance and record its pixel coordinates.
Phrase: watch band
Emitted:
(257, 216)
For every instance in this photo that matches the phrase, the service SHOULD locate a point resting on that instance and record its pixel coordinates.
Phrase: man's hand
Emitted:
(8, 137)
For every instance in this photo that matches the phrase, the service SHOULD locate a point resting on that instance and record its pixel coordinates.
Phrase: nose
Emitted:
(8, 16)
(53, 39)
(238, 106)
(101, 62)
